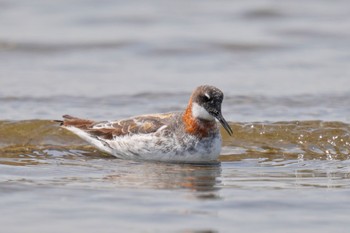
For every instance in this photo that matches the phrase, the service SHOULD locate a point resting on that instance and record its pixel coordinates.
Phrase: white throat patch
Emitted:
(201, 113)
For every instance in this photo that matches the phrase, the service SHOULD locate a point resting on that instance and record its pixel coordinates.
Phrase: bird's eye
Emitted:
(206, 97)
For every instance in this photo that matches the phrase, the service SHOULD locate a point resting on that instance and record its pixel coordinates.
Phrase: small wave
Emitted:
(264, 13)
(28, 47)
(288, 140)
(271, 140)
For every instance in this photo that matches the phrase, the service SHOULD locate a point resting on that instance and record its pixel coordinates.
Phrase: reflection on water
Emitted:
(91, 170)
(94, 169)
(79, 189)
(197, 178)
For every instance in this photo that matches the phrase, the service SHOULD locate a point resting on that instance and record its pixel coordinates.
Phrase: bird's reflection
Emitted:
(201, 179)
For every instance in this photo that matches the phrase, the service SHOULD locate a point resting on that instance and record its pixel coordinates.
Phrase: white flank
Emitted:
(156, 148)
(200, 112)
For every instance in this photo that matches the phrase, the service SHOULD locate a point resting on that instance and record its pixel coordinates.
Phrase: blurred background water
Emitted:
(107, 59)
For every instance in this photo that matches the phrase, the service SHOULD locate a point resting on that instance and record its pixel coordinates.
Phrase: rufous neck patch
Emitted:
(195, 126)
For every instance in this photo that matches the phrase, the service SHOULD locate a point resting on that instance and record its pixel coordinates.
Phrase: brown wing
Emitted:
(76, 122)
(110, 129)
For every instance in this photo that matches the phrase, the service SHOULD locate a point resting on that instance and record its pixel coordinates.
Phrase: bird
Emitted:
(189, 136)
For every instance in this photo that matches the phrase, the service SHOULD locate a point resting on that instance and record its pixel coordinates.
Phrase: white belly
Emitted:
(146, 147)
(158, 148)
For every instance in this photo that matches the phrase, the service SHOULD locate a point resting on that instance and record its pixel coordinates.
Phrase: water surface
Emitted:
(278, 175)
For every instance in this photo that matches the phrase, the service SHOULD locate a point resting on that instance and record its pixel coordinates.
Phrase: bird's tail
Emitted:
(69, 120)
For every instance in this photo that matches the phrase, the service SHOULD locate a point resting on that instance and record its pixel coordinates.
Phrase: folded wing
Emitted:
(110, 129)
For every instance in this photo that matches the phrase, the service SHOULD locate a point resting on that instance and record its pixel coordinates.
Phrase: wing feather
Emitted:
(109, 129)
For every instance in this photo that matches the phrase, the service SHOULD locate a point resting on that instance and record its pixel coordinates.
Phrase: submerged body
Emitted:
(189, 136)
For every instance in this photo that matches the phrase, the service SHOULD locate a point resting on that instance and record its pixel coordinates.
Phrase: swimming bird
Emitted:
(191, 136)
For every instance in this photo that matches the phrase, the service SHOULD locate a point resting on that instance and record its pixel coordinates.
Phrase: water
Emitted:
(283, 67)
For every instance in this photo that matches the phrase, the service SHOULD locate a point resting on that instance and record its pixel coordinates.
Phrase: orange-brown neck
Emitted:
(197, 127)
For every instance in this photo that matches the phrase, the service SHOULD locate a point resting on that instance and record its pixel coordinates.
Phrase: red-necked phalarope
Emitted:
(189, 136)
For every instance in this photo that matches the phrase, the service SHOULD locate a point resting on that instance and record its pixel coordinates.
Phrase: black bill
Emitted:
(224, 123)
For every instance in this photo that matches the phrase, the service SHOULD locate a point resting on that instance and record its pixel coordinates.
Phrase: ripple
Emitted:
(44, 48)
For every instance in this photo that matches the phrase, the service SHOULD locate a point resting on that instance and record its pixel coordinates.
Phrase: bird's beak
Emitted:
(224, 123)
